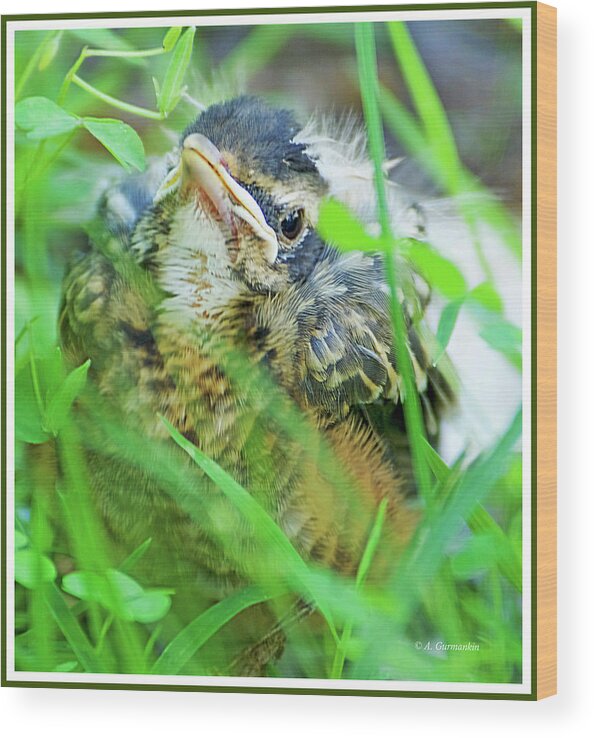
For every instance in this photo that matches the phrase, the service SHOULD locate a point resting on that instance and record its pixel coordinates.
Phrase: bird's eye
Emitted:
(292, 224)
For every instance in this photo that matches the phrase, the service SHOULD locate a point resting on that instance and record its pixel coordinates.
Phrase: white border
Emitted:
(305, 684)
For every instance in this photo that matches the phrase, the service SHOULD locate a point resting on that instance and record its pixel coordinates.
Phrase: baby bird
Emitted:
(211, 300)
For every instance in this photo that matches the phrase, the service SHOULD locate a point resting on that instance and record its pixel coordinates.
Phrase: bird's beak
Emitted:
(202, 169)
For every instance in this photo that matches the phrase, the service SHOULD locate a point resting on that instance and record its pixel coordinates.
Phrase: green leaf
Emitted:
(135, 603)
(185, 644)
(27, 415)
(120, 594)
(32, 569)
(86, 585)
(171, 37)
(120, 139)
(487, 296)
(50, 367)
(126, 587)
(20, 540)
(59, 406)
(49, 52)
(172, 87)
(479, 555)
(447, 323)
(41, 118)
(502, 336)
(338, 226)
(149, 607)
(439, 272)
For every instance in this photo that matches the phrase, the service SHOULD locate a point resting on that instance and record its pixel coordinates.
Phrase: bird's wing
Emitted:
(346, 357)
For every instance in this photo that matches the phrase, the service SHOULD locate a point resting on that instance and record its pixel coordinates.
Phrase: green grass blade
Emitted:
(427, 551)
(434, 145)
(508, 561)
(447, 323)
(189, 640)
(295, 568)
(372, 542)
(72, 631)
(363, 569)
(130, 561)
(369, 86)
(427, 103)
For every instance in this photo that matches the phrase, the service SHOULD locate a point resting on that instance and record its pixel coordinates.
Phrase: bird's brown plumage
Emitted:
(184, 316)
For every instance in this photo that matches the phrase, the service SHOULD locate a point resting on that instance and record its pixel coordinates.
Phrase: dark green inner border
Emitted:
(284, 690)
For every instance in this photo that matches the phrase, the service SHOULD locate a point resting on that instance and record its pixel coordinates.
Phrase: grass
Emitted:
(85, 605)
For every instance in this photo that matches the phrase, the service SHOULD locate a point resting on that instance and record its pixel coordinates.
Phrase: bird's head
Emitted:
(241, 201)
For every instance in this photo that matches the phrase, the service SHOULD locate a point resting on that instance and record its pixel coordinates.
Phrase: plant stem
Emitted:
(86, 53)
(150, 644)
(125, 53)
(115, 102)
(364, 564)
(369, 84)
(104, 629)
(70, 76)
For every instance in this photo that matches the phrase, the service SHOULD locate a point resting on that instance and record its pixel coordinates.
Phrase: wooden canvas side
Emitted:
(546, 353)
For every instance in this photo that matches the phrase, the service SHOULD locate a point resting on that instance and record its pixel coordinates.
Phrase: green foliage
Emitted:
(85, 605)
(44, 395)
(189, 640)
(171, 38)
(438, 271)
(124, 597)
(275, 544)
(31, 569)
(120, 139)
(170, 91)
(63, 398)
(369, 86)
(447, 323)
(342, 229)
(42, 118)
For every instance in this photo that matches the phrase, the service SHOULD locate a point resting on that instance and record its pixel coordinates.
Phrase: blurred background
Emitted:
(475, 66)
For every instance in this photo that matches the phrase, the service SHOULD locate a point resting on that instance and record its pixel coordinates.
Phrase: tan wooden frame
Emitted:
(546, 350)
